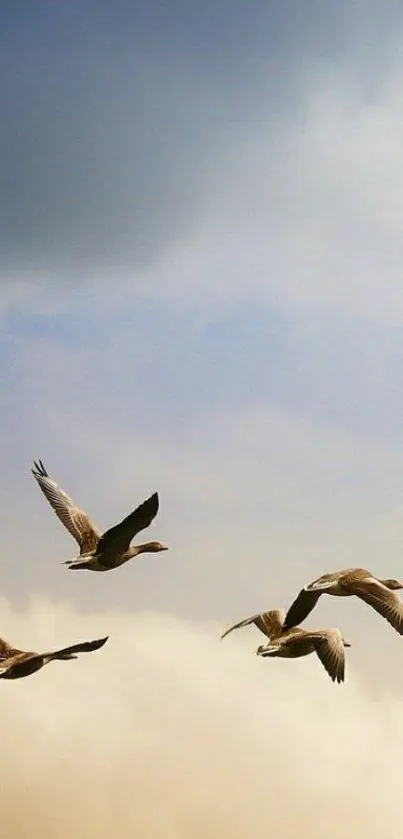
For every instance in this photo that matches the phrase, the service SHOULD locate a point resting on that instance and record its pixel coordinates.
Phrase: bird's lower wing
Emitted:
(330, 651)
(83, 647)
(301, 608)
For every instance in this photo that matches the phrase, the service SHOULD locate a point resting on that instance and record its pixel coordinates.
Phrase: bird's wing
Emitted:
(330, 650)
(116, 540)
(82, 647)
(301, 608)
(74, 519)
(240, 624)
(6, 650)
(270, 623)
(387, 603)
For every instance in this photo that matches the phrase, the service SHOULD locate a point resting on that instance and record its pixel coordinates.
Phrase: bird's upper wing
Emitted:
(301, 608)
(117, 539)
(330, 650)
(387, 603)
(270, 623)
(6, 650)
(74, 519)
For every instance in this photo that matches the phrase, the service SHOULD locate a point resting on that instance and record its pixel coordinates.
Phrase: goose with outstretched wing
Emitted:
(378, 593)
(99, 551)
(15, 663)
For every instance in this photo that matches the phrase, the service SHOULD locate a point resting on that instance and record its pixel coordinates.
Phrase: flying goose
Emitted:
(14, 663)
(328, 644)
(270, 623)
(380, 594)
(99, 551)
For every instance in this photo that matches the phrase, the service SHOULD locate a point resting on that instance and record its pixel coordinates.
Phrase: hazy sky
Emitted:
(201, 294)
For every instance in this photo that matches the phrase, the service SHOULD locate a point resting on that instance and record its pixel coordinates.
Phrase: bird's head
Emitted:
(393, 585)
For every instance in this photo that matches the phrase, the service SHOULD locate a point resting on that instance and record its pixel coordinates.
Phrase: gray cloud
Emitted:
(110, 121)
(128, 133)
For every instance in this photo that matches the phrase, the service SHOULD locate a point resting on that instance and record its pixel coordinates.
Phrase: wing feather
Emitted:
(6, 650)
(79, 525)
(270, 623)
(330, 651)
(386, 602)
(81, 647)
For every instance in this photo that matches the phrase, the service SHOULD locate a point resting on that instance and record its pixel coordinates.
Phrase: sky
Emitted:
(200, 294)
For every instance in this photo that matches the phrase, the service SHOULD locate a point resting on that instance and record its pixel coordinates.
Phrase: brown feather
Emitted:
(79, 525)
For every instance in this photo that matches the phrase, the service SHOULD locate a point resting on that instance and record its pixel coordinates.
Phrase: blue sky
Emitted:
(200, 293)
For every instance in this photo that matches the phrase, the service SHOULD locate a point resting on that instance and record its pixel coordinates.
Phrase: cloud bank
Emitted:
(170, 734)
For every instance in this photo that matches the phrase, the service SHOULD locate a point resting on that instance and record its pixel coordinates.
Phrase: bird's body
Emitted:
(328, 644)
(15, 664)
(99, 551)
(98, 561)
(380, 594)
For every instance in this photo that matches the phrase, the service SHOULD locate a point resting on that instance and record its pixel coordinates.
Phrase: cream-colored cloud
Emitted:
(167, 732)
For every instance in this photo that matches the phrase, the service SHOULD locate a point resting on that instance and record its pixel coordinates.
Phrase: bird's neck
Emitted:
(138, 549)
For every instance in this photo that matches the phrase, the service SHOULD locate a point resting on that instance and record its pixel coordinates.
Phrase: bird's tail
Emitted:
(76, 563)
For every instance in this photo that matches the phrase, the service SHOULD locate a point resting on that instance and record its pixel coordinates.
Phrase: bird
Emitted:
(15, 664)
(328, 644)
(99, 551)
(380, 594)
(270, 623)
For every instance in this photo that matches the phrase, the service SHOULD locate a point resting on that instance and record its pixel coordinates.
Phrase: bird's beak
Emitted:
(346, 643)
(163, 547)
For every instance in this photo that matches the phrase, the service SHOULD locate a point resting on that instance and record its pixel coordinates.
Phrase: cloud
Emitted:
(169, 733)
(263, 167)
(111, 122)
